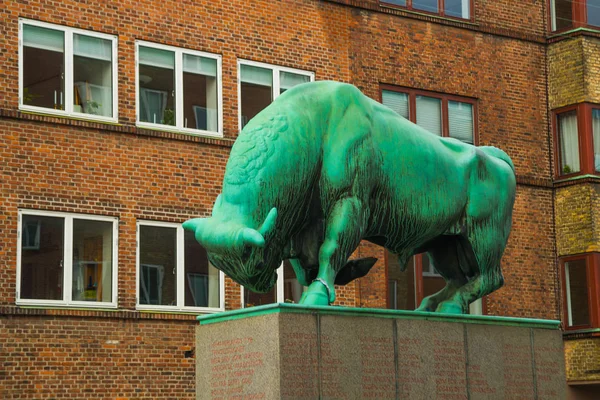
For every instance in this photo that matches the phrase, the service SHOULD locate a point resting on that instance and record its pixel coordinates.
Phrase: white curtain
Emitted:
(288, 80)
(429, 114)
(214, 280)
(569, 145)
(43, 38)
(596, 134)
(256, 75)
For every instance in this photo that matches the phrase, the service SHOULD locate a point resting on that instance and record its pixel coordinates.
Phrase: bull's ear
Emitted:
(217, 203)
(196, 225)
(251, 237)
(269, 223)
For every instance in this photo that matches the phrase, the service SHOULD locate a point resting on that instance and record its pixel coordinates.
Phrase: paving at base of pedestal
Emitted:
(290, 351)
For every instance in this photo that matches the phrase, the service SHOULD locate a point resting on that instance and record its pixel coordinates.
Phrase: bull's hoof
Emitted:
(315, 295)
(450, 307)
(427, 305)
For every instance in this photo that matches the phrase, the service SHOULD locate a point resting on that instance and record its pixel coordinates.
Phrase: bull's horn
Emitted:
(269, 223)
(251, 237)
(196, 225)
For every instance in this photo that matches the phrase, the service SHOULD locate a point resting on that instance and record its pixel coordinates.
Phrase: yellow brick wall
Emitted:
(566, 72)
(576, 219)
(591, 57)
(582, 358)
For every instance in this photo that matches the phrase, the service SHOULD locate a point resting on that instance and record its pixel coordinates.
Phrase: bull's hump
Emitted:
(253, 149)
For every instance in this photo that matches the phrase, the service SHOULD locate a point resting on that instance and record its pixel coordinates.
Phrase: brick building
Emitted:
(116, 121)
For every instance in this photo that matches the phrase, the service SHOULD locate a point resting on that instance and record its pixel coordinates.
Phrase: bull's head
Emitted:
(239, 250)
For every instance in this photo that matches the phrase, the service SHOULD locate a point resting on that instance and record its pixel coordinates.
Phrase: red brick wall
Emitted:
(73, 357)
(64, 165)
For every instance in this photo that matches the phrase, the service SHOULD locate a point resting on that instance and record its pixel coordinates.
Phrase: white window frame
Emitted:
(68, 59)
(181, 279)
(179, 122)
(68, 260)
(276, 84)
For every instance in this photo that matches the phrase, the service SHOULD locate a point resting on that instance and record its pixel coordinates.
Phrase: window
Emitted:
(407, 289)
(448, 8)
(66, 259)
(580, 286)
(67, 71)
(285, 290)
(260, 84)
(577, 138)
(569, 14)
(442, 115)
(178, 90)
(173, 271)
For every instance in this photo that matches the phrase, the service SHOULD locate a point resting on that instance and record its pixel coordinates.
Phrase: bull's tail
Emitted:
(495, 152)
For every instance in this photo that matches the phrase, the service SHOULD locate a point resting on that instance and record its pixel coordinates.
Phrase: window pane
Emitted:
(568, 142)
(577, 293)
(401, 285)
(256, 90)
(42, 250)
(92, 260)
(157, 86)
(92, 75)
(596, 135)
(429, 114)
(201, 278)
(460, 121)
(252, 299)
(292, 289)
(457, 8)
(593, 12)
(432, 281)
(158, 265)
(561, 14)
(43, 67)
(200, 93)
(426, 5)
(396, 101)
(288, 80)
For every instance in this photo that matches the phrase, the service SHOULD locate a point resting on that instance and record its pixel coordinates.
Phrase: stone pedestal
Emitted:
(289, 351)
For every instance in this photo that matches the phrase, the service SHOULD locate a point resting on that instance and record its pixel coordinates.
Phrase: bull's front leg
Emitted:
(343, 233)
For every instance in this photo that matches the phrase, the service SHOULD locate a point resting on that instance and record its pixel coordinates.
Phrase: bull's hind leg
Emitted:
(449, 259)
(488, 246)
(342, 235)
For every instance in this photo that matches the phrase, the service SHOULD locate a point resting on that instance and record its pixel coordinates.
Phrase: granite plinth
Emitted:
(291, 351)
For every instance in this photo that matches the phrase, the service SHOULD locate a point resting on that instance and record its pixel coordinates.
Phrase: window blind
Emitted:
(429, 114)
(288, 80)
(256, 75)
(460, 121)
(199, 65)
(398, 102)
(157, 57)
(92, 47)
(43, 38)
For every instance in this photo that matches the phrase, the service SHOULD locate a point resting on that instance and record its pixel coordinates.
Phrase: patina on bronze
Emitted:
(324, 167)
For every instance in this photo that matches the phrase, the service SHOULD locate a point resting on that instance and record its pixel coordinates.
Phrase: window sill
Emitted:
(64, 114)
(412, 11)
(112, 127)
(17, 310)
(181, 131)
(67, 306)
(572, 180)
(581, 333)
(178, 310)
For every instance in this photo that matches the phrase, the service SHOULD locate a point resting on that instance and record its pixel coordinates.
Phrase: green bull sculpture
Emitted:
(324, 167)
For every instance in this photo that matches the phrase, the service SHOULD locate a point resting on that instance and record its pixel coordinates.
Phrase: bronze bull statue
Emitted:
(324, 167)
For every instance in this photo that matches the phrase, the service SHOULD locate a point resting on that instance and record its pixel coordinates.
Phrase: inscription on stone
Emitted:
(411, 371)
(377, 367)
(333, 368)
(449, 364)
(299, 365)
(233, 366)
(518, 379)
